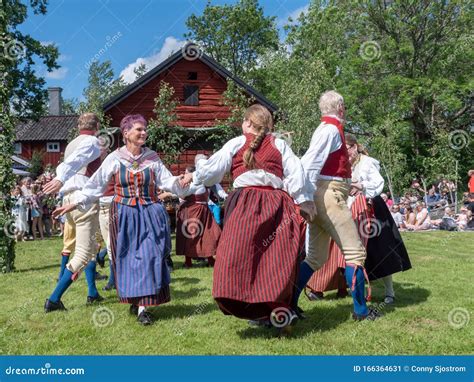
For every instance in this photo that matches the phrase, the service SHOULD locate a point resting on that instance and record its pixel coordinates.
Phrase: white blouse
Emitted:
(367, 172)
(211, 171)
(97, 183)
(86, 152)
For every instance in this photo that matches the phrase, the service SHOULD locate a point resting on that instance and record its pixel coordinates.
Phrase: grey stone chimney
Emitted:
(55, 101)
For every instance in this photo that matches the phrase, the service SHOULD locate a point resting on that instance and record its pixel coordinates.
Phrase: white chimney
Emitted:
(55, 101)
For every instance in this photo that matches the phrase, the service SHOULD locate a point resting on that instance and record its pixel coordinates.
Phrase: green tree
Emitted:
(70, 106)
(234, 35)
(164, 135)
(102, 85)
(140, 70)
(22, 95)
(405, 71)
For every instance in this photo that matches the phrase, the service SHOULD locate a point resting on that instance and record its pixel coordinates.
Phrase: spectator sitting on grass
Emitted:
(448, 219)
(422, 219)
(463, 218)
(432, 199)
(409, 217)
(396, 215)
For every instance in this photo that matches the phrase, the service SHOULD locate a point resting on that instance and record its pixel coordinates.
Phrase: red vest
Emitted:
(267, 157)
(337, 163)
(95, 164)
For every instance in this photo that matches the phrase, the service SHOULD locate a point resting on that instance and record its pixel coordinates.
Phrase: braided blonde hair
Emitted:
(262, 122)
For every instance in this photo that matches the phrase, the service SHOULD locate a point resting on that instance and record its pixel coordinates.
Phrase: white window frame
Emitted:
(53, 150)
(18, 148)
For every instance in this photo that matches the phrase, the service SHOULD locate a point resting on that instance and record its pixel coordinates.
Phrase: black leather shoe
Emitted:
(92, 300)
(108, 287)
(50, 306)
(300, 313)
(373, 315)
(134, 310)
(145, 318)
(98, 276)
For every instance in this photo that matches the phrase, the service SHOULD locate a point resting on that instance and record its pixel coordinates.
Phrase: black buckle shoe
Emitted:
(92, 300)
(133, 310)
(50, 306)
(145, 318)
(373, 315)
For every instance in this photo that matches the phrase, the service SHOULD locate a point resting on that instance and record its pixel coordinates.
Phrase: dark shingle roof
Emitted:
(51, 127)
(173, 59)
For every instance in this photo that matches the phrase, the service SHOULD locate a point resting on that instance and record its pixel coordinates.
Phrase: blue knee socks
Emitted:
(90, 277)
(111, 281)
(304, 275)
(64, 261)
(358, 294)
(64, 282)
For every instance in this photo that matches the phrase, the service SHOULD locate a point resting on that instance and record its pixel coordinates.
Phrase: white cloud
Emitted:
(170, 46)
(57, 74)
(293, 15)
(64, 57)
(46, 43)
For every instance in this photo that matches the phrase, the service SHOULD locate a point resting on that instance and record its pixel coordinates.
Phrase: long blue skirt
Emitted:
(140, 242)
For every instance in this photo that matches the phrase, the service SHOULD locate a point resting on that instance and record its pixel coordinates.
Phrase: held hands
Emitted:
(356, 189)
(52, 187)
(185, 180)
(308, 210)
(64, 210)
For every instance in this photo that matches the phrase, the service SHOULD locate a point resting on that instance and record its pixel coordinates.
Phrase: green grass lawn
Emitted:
(439, 283)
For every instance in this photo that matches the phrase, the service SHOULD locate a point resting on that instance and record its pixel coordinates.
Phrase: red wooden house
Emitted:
(199, 83)
(48, 135)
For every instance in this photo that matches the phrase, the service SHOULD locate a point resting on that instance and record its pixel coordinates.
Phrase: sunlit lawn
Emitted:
(439, 283)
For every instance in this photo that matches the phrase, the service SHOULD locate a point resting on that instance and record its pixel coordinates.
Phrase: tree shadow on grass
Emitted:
(325, 318)
(318, 318)
(55, 265)
(168, 311)
(182, 295)
(185, 280)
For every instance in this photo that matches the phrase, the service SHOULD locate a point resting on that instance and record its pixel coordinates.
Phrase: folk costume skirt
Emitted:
(258, 253)
(140, 242)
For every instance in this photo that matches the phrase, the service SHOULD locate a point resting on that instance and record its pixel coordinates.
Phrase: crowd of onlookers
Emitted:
(32, 209)
(434, 207)
(417, 210)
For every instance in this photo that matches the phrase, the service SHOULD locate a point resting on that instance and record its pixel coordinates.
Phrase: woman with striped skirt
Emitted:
(139, 230)
(197, 233)
(386, 253)
(258, 253)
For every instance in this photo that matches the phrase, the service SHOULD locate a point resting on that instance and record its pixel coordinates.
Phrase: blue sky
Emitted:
(127, 32)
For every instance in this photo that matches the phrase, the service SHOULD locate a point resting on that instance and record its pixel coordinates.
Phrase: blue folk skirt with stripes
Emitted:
(140, 242)
(258, 253)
